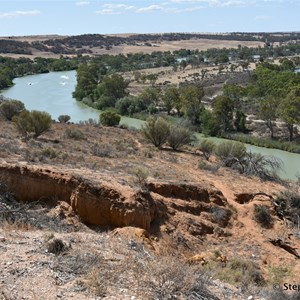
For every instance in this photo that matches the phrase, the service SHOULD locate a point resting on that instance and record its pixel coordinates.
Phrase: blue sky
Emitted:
(70, 17)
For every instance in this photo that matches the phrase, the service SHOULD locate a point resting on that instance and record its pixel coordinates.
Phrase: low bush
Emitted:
(207, 147)
(56, 246)
(179, 136)
(231, 153)
(75, 134)
(263, 216)
(32, 122)
(110, 118)
(64, 118)
(288, 205)
(156, 131)
(11, 108)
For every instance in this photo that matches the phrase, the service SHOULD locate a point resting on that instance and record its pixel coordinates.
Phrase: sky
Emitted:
(73, 17)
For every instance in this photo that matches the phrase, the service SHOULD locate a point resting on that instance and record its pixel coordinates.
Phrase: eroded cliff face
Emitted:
(101, 203)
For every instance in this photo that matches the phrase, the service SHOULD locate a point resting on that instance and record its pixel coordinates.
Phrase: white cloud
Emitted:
(107, 11)
(150, 8)
(82, 3)
(262, 18)
(114, 9)
(118, 6)
(19, 13)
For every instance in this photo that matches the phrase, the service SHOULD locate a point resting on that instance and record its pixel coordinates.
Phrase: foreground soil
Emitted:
(108, 216)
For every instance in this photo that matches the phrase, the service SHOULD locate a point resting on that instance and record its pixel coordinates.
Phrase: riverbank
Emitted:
(292, 147)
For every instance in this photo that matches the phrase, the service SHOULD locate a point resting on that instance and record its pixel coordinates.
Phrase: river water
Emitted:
(52, 92)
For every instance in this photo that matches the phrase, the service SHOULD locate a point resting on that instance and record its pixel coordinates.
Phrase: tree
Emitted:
(88, 77)
(223, 108)
(113, 87)
(171, 99)
(11, 108)
(150, 96)
(240, 121)
(190, 97)
(289, 110)
(268, 111)
(110, 118)
(64, 118)
(156, 130)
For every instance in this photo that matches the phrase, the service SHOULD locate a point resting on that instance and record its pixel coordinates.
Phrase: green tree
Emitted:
(113, 87)
(289, 110)
(223, 108)
(171, 99)
(150, 96)
(190, 97)
(88, 77)
(268, 111)
(64, 118)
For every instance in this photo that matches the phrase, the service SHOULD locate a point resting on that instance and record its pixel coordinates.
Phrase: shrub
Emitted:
(64, 118)
(179, 136)
(265, 167)
(102, 150)
(231, 153)
(262, 216)
(239, 271)
(33, 122)
(56, 246)
(141, 175)
(11, 108)
(110, 118)
(75, 134)
(288, 205)
(207, 147)
(156, 130)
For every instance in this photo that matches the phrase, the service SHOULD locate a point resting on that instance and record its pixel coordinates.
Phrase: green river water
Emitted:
(52, 92)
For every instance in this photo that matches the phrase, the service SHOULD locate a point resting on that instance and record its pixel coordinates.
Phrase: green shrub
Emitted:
(156, 130)
(75, 134)
(33, 122)
(262, 216)
(231, 153)
(64, 118)
(179, 136)
(110, 118)
(11, 108)
(207, 147)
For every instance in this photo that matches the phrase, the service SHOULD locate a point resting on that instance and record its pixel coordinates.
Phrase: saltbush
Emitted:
(179, 136)
(32, 122)
(262, 216)
(207, 147)
(156, 130)
(110, 118)
(11, 108)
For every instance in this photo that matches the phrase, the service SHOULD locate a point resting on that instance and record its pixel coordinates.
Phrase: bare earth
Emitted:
(182, 224)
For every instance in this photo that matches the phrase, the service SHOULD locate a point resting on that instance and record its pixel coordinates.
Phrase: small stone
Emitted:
(2, 239)
(250, 298)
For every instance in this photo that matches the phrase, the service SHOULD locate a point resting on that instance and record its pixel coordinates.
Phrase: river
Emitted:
(52, 92)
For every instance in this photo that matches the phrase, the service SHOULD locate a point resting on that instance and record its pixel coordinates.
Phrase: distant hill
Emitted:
(95, 44)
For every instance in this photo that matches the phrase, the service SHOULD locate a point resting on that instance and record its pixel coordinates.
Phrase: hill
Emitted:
(88, 211)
